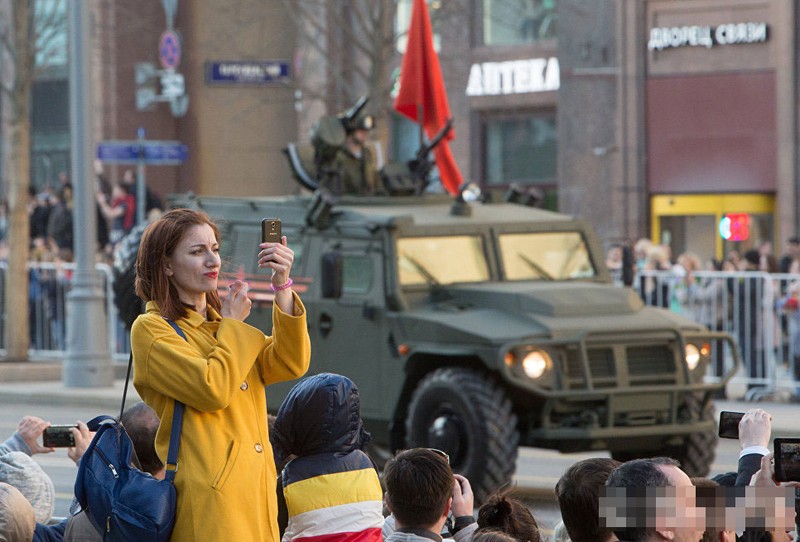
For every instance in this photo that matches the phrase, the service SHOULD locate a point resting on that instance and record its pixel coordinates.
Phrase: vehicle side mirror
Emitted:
(332, 264)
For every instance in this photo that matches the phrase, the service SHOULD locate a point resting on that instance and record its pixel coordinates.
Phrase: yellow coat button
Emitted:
(259, 447)
(244, 386)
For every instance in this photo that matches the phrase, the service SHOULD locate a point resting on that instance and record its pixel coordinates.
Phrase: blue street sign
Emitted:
(247, 72)
(152, 153)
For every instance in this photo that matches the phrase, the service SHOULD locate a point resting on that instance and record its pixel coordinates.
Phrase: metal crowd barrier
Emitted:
(49, 284)
(760, 310)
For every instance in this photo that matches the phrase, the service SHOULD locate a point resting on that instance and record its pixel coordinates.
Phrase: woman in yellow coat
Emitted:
(226, 474)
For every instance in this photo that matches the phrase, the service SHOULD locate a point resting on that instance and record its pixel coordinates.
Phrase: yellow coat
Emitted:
(226, 473)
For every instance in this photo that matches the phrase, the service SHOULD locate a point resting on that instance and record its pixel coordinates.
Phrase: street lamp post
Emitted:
(87, 362)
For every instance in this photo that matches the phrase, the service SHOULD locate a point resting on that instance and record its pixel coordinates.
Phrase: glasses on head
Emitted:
(441, 453)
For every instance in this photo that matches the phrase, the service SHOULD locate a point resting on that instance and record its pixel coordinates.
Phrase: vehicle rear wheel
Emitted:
(466, 414)
(697, 451)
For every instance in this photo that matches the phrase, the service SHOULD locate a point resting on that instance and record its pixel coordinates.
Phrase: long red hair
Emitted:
(158, 243)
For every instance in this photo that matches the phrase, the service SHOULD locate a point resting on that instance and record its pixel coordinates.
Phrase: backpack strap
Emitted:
(177, 423)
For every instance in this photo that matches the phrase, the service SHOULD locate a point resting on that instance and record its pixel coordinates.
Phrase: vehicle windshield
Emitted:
(441, 260)
(545, 256)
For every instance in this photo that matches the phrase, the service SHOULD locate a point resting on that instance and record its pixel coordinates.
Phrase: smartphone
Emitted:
(58, 436)
(729, 424)
(787, 459)
(271, 230)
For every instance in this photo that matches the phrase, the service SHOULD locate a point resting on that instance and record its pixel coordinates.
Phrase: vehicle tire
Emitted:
(696, 453)
(466, 414)
(128, 304)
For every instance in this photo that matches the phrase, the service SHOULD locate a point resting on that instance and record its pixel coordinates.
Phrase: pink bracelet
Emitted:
(287, 284)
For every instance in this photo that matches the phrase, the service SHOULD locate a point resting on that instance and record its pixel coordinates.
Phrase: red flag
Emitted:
(422, 87)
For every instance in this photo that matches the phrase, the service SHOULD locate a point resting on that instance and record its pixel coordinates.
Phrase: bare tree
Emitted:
(350, 48)
(29, 31)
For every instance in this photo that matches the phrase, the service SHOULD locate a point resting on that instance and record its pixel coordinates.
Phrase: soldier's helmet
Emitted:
(359, 122)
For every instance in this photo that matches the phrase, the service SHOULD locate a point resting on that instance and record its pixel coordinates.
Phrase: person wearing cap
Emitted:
(355, 162)
(25, 474)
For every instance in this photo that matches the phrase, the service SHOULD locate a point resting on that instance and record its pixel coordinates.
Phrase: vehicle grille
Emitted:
(652, 364)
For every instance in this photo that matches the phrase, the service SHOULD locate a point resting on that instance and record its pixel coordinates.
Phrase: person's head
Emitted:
(492, 535)
(178, 259)
(614, 254)
(141, 423)
(120, 190)
(65, 194)
(358, 129)
(676, 517)
(768, 263)
(715, 514)
(793, 246)
(508, 515)
(578, 494)
(25, 474)
(320, 414)
(128, 177)
(419, 488)
(690, 262)
(750, 261)
(17, 519)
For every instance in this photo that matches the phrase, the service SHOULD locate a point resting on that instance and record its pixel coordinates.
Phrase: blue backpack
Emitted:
(122, 502)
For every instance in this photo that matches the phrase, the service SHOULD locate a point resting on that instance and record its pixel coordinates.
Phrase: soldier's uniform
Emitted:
(356, 175)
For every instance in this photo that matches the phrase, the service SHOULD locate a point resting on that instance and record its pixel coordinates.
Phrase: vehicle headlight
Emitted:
(536, 363)
(692, 356)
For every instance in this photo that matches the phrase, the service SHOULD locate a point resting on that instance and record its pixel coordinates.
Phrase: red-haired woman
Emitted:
(226, 476)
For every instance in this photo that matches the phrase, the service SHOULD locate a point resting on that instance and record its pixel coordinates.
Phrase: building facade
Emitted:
(699, 150)
(672, 119)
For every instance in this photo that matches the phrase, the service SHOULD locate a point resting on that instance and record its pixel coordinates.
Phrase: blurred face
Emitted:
(681, 515)
(193, 267)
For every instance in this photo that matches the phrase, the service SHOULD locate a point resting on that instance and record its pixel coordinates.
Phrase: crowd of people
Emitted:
(310, 476)
(50, 214)
(753, 295)
(327, 486)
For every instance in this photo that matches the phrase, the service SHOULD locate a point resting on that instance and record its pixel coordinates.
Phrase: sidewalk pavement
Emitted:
(40, 383)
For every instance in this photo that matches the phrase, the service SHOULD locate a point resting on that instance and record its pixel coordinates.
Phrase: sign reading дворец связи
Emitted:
(706, 36)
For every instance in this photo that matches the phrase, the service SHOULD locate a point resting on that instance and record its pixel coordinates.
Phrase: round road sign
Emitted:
(169, 49)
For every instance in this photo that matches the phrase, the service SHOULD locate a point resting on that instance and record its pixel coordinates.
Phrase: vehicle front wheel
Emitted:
(467, 415)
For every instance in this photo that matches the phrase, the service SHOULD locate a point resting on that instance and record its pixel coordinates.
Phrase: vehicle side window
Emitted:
(357, 274)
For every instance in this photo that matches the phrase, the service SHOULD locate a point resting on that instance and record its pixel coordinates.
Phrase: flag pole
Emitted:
(420, 123)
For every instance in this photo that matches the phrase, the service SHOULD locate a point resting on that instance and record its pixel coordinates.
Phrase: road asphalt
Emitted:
(39, 383)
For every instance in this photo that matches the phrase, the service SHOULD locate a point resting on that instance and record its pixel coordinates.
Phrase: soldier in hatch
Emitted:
(355, 161)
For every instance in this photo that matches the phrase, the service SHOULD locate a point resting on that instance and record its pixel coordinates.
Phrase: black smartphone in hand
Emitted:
(787, 459)
(271, 230)
(729, 424)
(58, 436)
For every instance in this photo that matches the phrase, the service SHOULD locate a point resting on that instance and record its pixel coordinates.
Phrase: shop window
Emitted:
(50, 110)
(515, 22)
(50, 18)
(521, 149)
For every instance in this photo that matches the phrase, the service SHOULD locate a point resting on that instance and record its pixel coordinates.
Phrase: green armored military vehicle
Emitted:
(476, 328)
